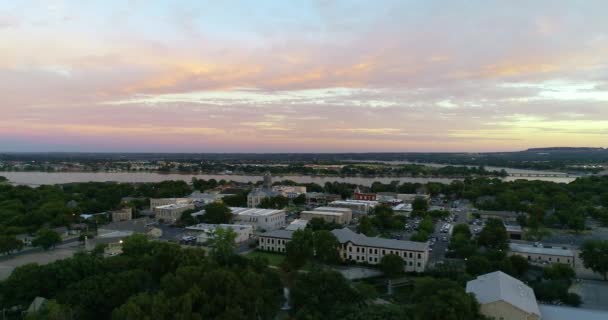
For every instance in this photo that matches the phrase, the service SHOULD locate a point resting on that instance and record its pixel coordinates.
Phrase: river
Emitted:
(48, 178)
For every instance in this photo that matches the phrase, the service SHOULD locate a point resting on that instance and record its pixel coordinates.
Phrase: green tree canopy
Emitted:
(392, 265)
(46, 238)
(595, 256)
(217, 213)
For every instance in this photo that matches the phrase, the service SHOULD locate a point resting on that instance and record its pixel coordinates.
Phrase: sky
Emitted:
(302, 76)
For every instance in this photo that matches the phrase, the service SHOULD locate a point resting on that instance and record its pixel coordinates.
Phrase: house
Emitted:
(358, 247)
(260, 219)
(203, 198)
(540, 254)
(504, 297)
(172, 212)
(404, 209)
(124, 214)
(514, 231)
(206, 232)
(329, 214)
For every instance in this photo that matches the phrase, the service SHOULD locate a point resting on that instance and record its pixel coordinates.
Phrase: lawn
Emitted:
(274, 259)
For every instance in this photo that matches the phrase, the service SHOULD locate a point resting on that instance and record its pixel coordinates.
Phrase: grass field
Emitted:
(274, 259)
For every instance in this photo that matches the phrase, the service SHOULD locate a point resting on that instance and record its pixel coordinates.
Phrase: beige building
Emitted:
(172, 212)
(167, 201)
(124, 214)
(329, 214)
(543, 255)
(359, 248)
(504, 297)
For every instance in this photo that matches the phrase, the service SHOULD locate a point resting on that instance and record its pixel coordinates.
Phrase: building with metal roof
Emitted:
(543, 255)
(504, 297)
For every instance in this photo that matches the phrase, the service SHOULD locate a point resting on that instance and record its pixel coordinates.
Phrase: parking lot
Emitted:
(8, 264)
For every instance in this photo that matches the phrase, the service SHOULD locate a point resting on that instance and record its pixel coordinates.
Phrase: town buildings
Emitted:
(206, 232)
(172, 212)
(260, 219)
(167, 201)
(124, 214)
(359, 248)
(543, 255)
(329, 214)
(504, 297)
(357, 206)
(255, 197)
(315, 199)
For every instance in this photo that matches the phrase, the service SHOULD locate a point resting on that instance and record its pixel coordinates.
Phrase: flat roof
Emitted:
(334, 209)
(174, 206)
(324, 213)
(254, 211)
(211, 227)
(553, 251)
(363, 202)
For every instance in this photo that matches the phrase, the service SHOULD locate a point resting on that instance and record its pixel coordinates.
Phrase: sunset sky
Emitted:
(302, 76)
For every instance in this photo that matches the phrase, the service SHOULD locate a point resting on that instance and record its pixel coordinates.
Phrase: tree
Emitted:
(365, 226)
(311, 291)
(420, 236)
(300, 249)
(9, 244)
(46, 238)
(420, 204)
(520, 265)
(494, 235)
(326, 247)
(437, 299)
(559, 271)
(300, 199)
(223, 245)
(217, 213)
(595, 256)
(478, 265)
(391, 265)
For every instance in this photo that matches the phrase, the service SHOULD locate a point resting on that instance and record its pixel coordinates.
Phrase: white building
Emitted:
(172, 212)
(207, 231)
(404, 209)
(504, 297)
(260, 219)
(359, 248)
(543, 255)
(357, 206)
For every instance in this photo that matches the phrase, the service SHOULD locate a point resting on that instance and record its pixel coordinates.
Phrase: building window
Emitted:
(411, 255)
(418, 264)
(419, 256)
(376, 251)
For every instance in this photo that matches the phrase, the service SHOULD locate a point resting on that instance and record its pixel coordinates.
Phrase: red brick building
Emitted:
(364, 196)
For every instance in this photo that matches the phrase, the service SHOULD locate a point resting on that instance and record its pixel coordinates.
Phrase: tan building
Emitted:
(124, 214)
(329, 214)
(504, 297)
(357, 206)
(172, 212)
(206, 232)
(543, 255)
(359, 248)
(167, 201)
